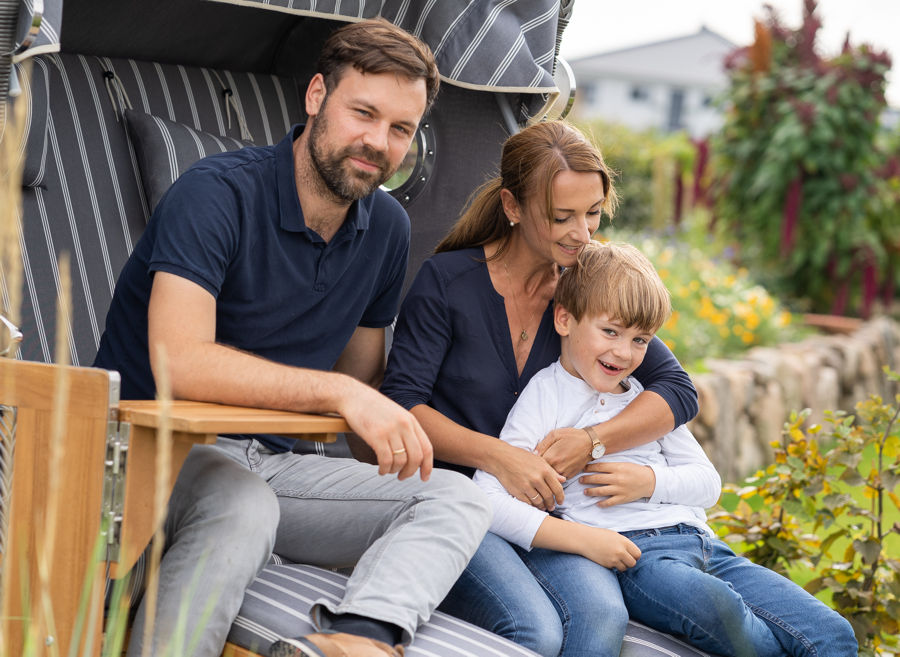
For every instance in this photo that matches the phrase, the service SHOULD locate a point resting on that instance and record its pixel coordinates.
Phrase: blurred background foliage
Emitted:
(792, 207)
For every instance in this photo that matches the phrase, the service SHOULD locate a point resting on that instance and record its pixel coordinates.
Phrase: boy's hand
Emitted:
(618, 483)
(566, 450)
(609, 549)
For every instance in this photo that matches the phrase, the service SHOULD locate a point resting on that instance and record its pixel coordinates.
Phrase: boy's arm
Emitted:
(603, 546)
(515, 519)
(690, 477)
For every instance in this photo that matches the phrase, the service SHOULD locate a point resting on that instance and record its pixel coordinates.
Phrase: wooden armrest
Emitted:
(203, 417)
(191, 423)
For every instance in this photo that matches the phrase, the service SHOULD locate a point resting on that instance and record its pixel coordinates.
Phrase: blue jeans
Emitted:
(550, 602)
(690, 584)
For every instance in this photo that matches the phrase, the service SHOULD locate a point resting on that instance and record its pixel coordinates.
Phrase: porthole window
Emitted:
(415, 170)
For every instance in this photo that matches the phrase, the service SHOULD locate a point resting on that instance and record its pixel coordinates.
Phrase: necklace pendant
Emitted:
(524, 335)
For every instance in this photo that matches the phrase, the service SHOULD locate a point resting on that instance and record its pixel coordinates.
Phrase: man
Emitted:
(266, 277)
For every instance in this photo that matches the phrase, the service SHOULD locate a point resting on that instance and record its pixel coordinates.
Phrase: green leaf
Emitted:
(852, 477)
(834, 500)
(869, 550)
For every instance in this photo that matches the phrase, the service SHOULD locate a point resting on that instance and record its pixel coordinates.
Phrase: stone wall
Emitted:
(745, 403)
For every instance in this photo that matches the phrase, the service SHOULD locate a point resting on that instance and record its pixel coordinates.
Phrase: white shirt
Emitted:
(686, 480)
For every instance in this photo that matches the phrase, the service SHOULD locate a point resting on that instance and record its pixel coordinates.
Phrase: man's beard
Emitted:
(344, 182)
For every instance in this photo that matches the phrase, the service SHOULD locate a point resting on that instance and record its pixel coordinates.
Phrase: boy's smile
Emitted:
(600, 350)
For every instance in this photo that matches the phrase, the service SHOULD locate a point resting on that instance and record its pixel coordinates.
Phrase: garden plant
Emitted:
(803, 174)
(829, 505)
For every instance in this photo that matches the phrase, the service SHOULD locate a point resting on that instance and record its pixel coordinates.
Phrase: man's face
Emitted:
(362, 129)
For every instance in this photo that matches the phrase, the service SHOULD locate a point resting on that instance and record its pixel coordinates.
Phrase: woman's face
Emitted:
(577, 206)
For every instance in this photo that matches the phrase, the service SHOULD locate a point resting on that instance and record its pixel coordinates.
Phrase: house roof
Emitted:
(694, 59)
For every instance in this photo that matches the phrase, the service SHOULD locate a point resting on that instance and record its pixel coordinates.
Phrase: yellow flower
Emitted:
(748, 337)
(663, 273)
(724, 332)
(672, 321)
(752, 320)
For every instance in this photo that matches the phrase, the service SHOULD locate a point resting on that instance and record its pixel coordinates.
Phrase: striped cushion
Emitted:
(277, 605)
(90, 201)
(165, 149)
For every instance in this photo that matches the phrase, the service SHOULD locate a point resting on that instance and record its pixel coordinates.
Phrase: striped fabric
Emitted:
(90, 202)
(277, 605)
(165, 149)
(492, 45)
(34, 147)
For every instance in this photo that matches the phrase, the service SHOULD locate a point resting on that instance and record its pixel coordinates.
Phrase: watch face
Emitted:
(598, 451)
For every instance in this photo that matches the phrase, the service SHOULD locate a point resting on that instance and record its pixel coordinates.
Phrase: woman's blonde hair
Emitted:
(529, 163)
(615, 279)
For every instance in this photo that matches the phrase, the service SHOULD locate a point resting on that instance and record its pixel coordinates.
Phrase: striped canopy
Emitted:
(492, 45)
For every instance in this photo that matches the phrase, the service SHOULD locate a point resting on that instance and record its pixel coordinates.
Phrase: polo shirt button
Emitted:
(603, 402)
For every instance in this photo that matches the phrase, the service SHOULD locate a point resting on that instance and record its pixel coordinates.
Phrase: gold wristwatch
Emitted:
(598, 449)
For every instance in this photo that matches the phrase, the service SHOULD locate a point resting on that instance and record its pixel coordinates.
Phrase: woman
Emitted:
(473, 329)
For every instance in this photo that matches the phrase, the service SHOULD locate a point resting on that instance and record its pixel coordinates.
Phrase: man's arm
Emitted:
(364, 358)
(182, 321)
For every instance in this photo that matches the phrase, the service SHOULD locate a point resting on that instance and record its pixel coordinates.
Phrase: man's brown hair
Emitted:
(377, 46)
(615, 279)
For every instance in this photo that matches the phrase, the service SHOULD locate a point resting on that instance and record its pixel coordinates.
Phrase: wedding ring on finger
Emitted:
(536, 495)
(397, 452)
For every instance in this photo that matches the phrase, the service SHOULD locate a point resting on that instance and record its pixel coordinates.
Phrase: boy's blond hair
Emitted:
(615, 279)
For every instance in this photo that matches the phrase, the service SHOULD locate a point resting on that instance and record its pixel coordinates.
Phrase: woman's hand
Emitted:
(618, 482)
(527, 477)
(566, 450)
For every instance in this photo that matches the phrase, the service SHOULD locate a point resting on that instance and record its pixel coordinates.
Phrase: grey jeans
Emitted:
(236, 501)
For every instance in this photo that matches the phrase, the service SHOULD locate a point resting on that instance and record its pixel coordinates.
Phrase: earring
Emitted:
(512, 223)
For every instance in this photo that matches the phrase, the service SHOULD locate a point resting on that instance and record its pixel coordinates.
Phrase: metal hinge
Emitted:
(117, 434)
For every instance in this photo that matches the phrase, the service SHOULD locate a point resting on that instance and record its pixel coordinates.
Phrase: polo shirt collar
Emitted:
(289, 203)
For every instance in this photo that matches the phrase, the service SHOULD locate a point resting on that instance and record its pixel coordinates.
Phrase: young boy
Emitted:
(648, 550)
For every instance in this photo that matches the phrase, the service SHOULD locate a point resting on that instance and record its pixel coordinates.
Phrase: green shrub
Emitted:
(833, 512)
(718, 310)
(648, 168)
(799, 175)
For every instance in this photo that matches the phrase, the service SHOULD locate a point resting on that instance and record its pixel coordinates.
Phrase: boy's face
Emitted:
(600, 350)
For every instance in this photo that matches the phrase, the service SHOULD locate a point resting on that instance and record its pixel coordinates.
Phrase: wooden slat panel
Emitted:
(78, 499)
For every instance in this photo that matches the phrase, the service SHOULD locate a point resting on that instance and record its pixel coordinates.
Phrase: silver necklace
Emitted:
(523, 336)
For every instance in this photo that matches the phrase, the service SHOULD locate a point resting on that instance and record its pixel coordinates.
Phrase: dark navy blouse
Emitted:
(452, 350)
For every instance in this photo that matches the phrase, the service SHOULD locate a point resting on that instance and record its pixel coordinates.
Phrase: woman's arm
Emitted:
(669, 399)
(521, 472)
(421, 346)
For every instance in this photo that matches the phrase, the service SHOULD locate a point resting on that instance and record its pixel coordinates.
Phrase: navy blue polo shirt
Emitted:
(232, 224)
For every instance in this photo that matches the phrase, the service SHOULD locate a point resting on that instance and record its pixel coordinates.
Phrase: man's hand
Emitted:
(399, 443)
(566, 450)
(527, 477)
(618, 482)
